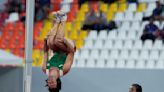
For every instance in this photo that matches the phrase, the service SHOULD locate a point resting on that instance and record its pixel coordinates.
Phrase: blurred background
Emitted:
(119, 42)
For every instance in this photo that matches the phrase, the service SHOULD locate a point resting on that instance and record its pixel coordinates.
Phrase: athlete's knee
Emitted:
(70, 44)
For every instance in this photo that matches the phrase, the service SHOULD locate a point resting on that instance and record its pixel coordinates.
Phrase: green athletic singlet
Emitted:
(57, 60)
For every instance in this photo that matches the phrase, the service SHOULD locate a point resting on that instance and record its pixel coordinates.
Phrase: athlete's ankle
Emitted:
(60, 16)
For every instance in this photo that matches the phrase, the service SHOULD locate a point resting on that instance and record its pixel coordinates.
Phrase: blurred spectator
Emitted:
(157, 12)
(42, 7)
(3, 17)
(161, 1)
(105, 1)
(161, 34)
(133, 1)
(14, 6)
(80, 2)
(135, 88)
(150, 31)
(110, 1)
(96, 19)
(2, 5)
(44, 3)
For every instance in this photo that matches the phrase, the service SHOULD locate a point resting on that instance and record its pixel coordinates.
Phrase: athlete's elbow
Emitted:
(66, 70)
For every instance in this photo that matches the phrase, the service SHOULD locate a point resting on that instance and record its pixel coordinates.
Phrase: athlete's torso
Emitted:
(57, 60)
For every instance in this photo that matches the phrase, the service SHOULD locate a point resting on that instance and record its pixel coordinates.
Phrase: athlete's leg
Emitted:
(56, 35)
(63, 43)
(58, 29)
(60, 20)
(51, 35)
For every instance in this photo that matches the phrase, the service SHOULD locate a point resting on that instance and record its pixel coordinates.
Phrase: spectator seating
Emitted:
(119, 48)
(122, 48)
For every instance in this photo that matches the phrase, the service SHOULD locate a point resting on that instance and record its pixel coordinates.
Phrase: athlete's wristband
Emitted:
(47, 71)
(61, 73)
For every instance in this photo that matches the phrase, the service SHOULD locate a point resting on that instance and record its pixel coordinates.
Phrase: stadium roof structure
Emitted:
(9, 59)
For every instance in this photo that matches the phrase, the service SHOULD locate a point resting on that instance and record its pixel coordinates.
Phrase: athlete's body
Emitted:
(55, 38)
(57, 68)
(63, 51)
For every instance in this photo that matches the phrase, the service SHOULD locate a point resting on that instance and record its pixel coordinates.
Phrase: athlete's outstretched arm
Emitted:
(68, 63)
(45, 56)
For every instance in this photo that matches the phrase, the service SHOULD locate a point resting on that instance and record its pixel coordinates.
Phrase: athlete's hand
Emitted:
(44, 67)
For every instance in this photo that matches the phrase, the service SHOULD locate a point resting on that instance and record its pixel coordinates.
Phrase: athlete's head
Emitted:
(52, 83)
(135, 88)
(52, 77)
(57, 88)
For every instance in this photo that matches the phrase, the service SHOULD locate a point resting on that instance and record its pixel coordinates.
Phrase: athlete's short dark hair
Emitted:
(138, 87)
(57, 89)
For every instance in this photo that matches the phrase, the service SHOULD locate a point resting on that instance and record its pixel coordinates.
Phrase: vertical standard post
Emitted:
(28, 45)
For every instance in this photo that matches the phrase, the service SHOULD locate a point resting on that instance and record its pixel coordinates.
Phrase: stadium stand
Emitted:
(119, 48)
(122, 48)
